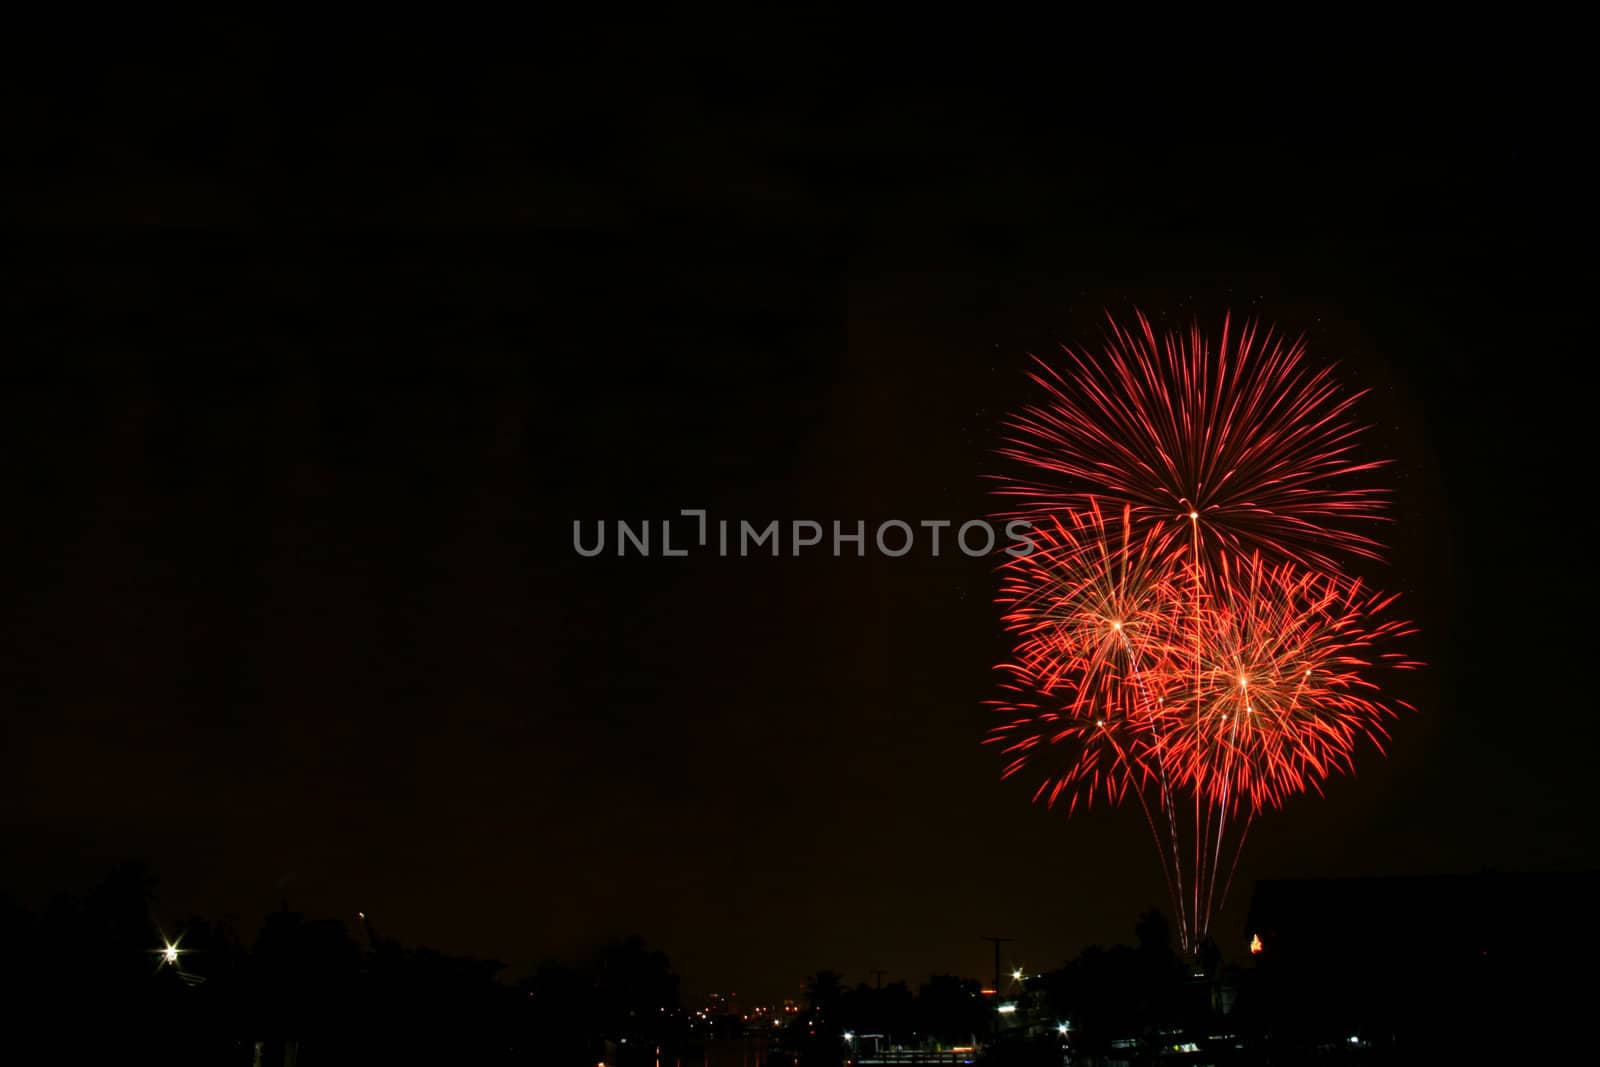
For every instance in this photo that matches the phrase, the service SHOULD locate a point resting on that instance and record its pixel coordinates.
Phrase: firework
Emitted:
(1202, 652)
(1105, 748)
(1093, 606)
(1237, 440)
(1285, 694)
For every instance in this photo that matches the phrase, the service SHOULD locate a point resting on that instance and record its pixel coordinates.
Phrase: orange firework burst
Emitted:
(1285, 692)
(1203, 651)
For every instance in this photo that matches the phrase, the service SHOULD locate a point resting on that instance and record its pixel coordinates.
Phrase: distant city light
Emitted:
(1006, 1009)
(1017, 974)
(1255, 944)
(1062, 1028)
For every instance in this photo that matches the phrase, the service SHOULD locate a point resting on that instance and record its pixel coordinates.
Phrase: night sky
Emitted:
(309, 373)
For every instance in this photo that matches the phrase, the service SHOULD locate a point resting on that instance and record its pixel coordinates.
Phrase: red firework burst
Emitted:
(1239, 436)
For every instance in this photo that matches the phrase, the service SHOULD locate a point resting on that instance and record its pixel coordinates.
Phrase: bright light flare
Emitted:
(169, 954)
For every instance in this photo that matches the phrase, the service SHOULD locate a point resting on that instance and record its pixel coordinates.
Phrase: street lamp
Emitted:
(170, 955)
(167, 954)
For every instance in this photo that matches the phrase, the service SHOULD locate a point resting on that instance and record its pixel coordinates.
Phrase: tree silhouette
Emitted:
(636, 990)
(823, 993)
(952, 1010)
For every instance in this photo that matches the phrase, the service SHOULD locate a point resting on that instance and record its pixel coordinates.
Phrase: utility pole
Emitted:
(995, 1021)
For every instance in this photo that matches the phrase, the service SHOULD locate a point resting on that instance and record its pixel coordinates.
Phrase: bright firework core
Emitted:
(1208, 668)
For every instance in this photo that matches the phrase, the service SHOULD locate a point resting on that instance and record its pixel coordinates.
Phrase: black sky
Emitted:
(308, 373)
